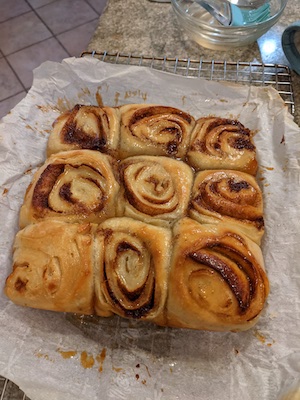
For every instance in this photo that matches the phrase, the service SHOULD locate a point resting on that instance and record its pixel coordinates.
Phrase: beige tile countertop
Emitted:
(149, 28)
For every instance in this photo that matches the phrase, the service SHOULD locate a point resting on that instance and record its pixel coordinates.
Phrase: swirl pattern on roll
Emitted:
(74, 186)
(228, 196)
(154, 130)
(217, 278)
(143, 212)
(220, 143)
(154, 189)
(132, 277)
(86, 127)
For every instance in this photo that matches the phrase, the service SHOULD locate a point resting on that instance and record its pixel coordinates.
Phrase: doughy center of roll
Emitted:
(80, 187)
(150, 189)
(129, 273)
(132, 268)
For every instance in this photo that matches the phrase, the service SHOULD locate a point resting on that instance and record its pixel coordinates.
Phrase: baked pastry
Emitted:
(228, 196)
(53, 267)
(131, 269)
(140, 211)
(219, 143)
(217, 279)
(73, 186)
(155, 190)
(86, 127)
(151, 129)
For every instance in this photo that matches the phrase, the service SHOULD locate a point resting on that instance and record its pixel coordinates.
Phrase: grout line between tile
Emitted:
(15, 94)
(52, 33)
(16, 75)
(16, 16)
(92, 7)
(53, 36)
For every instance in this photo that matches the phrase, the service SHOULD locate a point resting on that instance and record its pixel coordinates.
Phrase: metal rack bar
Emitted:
(8, 390)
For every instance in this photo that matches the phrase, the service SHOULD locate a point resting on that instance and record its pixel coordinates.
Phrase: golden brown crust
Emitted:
(53, 267)
(98, 237)
(86, 127)
(73, 186)
(155, 190)
(152, 129)
(220, 143)
(131, 269)
(217, 278)
(228, 196)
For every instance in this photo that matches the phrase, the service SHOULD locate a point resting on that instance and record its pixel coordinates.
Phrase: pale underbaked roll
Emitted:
(53, 267)
(155, 190)
(217, 279)
(219, 143)
(151, 129)
(86, 127)
(131, 269)
(73, 186)
(228, 196)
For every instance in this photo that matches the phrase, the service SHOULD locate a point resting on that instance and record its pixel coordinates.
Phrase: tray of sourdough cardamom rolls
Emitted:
(156, 213)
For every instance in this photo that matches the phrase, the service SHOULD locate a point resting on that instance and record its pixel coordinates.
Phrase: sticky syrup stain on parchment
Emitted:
(29, 127)
(146, 367)
(83, 93)
(87, 360)
(262, 338)
(262, 170)
(268, 168)
(117, 369)
(47, 108)
(63, 104)
(44, 356)
(28, 171)
(99, 99)
(101, 358)
(117, 98)
(129, 94)
(67, 354)
(137, 376)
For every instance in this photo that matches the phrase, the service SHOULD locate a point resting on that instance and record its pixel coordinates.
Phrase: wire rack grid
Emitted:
(10, 391)
(257, 74)
(248, 73)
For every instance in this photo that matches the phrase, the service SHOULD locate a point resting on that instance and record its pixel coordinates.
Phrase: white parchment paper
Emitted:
(54, 357)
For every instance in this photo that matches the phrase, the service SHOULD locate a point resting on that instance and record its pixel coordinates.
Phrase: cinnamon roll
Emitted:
(73, 186)
(131, 269)
(154, 130)
(155, 190)
(228, 196)
(217, 278)
(219, 143)
(53, 267)
(86, 127)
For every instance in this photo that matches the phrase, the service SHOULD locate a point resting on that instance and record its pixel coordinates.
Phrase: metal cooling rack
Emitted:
(256, 74)
(9, 391)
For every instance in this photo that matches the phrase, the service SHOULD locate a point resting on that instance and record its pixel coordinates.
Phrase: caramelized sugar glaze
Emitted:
(172, 215)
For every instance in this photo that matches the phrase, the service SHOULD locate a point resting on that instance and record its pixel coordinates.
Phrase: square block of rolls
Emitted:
(144, 212)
